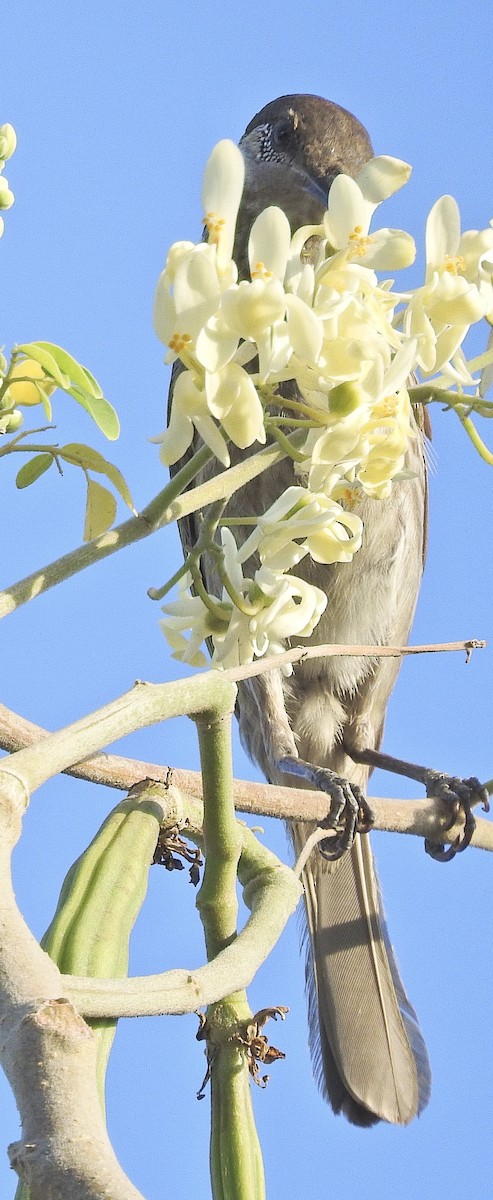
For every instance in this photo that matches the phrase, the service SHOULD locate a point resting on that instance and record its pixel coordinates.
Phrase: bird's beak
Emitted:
(294, 178)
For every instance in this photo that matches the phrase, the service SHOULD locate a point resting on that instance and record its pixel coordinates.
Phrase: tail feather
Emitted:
(368, 1053)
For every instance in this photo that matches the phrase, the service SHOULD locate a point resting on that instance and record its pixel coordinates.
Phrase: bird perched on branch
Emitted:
(324, 723)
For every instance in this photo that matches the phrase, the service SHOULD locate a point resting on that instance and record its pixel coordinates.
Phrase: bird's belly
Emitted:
(371, 600)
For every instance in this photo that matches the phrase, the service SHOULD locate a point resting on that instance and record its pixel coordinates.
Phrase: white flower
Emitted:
(188, 293)
(8, 142)
(188, 613)
(351, 206)
(6, 196)
(381, 177)
(301, 522)
(367, 436)
(233, 399)
(189, 411)
(222, 189)
(286, 607)
(389, 432)
(292, 608)
(269, 245)
(453, 296)
(294, 611)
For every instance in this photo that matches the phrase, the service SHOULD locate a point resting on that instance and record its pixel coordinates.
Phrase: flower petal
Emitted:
(269, 243)
(442, 232)
(222, 190)
(381, 177)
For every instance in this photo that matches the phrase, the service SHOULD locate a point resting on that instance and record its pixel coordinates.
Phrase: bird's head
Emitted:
(293, 149)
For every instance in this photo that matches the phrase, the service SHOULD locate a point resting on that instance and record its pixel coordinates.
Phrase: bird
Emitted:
(368, 1052)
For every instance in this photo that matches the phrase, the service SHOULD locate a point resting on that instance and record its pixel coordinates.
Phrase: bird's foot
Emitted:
(349, 810)
(460, 795)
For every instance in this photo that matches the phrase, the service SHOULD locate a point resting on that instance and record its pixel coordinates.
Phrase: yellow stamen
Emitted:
(349, 497)
(259, 271)
(387, 407)
(179, 342)
(359, 242)
(214, 225)
(454, 264)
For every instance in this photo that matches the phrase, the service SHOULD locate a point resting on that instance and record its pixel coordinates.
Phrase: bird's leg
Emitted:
(263, 716)
(460, 795)
(348, 804)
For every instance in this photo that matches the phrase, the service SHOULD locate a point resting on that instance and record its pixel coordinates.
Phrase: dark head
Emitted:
(293, 149)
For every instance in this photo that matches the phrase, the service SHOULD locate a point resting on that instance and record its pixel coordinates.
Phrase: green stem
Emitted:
(216, 900)
(10, 448)
(217, 608)
(299, 406)
(235, 1155)
(476, 440)
(248, 610)
(284, 442)
(237, 1171)
(481, 361)
(205, 544)
(428, 394)
(166, 507)
(145, 704)
(160, 593)
(461, 404)
(230, 522)
(291, 422)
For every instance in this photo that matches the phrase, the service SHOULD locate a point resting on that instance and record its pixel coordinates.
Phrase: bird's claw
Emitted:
(349, 811)
(460, 796)
(348, 814)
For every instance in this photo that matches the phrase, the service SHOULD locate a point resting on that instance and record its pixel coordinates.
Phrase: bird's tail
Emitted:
(368, 1052)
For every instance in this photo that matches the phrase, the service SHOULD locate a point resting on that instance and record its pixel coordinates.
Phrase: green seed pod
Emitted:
(100, 900)
(235, 1154)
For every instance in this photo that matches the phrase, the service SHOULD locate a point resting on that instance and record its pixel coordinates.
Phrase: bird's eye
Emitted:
(283, 135)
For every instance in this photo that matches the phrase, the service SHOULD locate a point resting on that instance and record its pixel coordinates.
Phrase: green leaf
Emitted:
(91, 460)
(101, 411)
(78, 382)
(32, 470)
(41, 354)
(65, 362)
(95, 388)
(100, 510)
(46, 402)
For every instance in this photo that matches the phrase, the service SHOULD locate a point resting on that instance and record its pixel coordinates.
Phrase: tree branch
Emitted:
(418, 817)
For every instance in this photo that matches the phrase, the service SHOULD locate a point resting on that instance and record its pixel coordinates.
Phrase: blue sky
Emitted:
(116, 108)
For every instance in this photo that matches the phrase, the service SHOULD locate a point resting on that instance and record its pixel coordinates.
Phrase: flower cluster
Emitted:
(8, 142)
(314, 312)
(269, 608)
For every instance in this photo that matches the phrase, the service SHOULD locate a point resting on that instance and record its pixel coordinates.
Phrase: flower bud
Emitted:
(24, 393)
(14, 421)
(345, 398)
(6, 196)
(8, 141)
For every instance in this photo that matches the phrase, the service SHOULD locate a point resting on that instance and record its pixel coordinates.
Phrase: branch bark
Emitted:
(418, 817)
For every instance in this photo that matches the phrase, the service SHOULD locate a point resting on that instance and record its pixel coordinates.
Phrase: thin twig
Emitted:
(300, 653)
